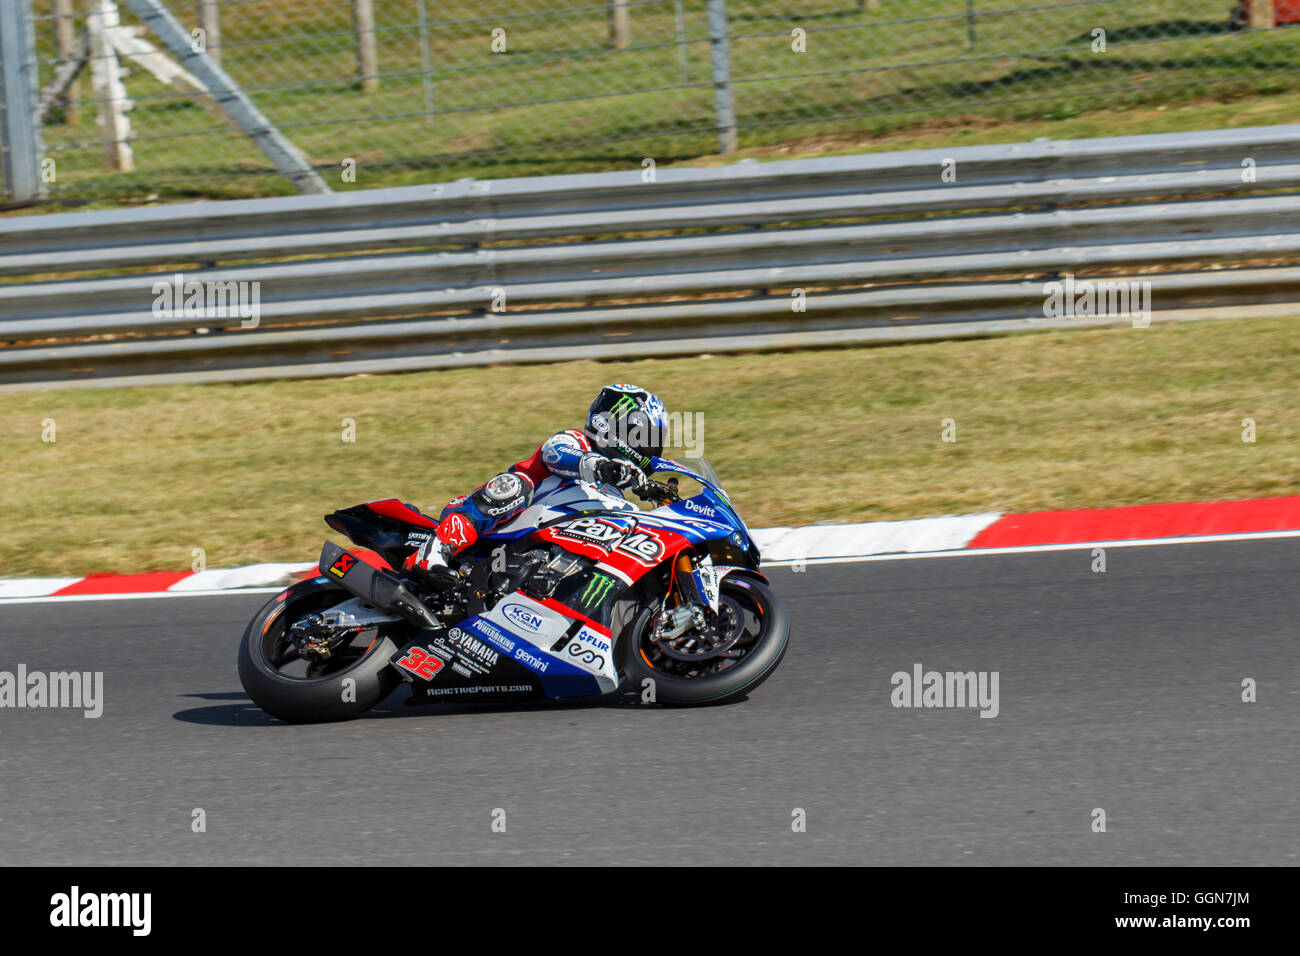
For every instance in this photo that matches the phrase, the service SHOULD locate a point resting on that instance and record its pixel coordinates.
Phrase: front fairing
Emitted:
(708, 516)
(711, 505)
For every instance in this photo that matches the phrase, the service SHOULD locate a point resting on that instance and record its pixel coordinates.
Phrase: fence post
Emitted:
(721, 57)
(679, 18)
(210, 22)
(1262, 16)
(363, 25)
(20, 135)
(426, 60)
(65, 32)
(112, 102)
(619, 27)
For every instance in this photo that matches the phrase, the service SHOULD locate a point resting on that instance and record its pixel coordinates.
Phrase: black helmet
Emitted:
(628, 421)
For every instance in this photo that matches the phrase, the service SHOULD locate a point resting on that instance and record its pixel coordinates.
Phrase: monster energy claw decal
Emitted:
(625, 404)
(597, 590)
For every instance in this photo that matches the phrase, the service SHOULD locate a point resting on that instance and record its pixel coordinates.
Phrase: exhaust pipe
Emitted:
(381, 588)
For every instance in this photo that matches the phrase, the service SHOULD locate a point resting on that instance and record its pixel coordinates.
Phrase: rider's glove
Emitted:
(621, 474)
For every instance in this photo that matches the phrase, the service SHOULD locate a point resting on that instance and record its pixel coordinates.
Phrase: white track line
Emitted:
(1035, 548)
(56, 599)
(849, 559)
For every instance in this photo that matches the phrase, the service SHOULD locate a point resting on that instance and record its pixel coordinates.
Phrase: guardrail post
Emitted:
(721, 56)
(20, 134)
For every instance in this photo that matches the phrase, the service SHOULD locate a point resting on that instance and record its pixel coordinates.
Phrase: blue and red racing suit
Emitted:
(565, 456)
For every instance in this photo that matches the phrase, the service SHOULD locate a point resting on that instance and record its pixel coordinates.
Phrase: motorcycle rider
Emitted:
(625, 427)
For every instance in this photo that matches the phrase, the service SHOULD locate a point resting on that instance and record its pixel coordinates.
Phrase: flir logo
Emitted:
(75, 909)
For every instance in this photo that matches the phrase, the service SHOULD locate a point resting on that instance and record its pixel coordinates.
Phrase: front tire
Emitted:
(323, 697)
(713, 682)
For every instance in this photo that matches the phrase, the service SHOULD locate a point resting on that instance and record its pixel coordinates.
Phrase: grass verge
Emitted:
(138, 478)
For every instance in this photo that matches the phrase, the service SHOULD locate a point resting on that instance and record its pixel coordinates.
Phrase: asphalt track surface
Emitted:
(1119, 690)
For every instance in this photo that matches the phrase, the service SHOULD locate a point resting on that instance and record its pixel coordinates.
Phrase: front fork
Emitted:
(689, 601)
(699, 581)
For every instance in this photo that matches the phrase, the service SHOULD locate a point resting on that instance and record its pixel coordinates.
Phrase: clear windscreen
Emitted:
(702, 466)
(687, 486)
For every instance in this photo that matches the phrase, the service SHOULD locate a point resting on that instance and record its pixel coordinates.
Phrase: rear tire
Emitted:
(727, 685)
(314, 700)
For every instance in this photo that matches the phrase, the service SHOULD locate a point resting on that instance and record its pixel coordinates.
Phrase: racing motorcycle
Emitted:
(579, 595)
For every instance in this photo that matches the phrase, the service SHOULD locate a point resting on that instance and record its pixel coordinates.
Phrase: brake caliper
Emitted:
(684, 632)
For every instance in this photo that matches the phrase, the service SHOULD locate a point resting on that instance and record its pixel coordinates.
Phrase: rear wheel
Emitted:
(302, 687)
(738, 650)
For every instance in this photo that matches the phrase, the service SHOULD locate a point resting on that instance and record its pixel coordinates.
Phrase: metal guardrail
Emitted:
(699, 259)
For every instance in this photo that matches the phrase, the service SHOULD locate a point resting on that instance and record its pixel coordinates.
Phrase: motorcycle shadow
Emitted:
(242, 712)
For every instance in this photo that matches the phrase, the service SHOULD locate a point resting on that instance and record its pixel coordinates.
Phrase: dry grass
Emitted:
(137, 478)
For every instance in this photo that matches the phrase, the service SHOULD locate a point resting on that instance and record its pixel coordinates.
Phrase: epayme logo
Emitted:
(75, 909)
(1099, 299)
(214, 299)
(946, 689)
(684, 430)
(56, 689)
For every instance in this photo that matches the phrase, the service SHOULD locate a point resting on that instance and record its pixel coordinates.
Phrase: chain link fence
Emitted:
(392, 92)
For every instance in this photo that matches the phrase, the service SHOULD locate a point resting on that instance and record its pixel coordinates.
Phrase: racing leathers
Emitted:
(568, 454)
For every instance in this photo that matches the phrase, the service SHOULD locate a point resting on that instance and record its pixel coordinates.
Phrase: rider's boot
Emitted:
(490, 505)
(455, 533)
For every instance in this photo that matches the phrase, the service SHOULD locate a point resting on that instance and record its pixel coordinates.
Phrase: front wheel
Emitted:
(740, 650)
(279, 679)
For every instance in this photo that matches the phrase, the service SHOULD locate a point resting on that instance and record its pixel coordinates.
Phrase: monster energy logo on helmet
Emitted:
(630, 421)
(598, 588)
(624, 405)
